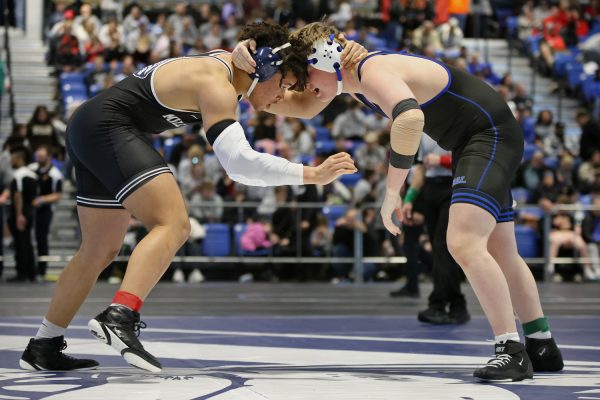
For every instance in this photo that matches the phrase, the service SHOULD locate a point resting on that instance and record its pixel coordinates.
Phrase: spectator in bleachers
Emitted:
(530, 172)
(56, 17)
(301, 141)
(17, 138)
(139, 44)
(214, 38)
(590, 231)
(265, 127)
(40, 130)
(566, 174)
(590, 48)
(576, 29)
(451, 36)
(364, 190)
(521, 99)
(549, 191)
(66, 54)
(427, 36)
(589, 140)
(205, 204)
(588, 172)
(111, 8)
(6, 176)
(565, 235)
(23, 190)
(115, 50)
(556, 144)
(127, 68)
(230, 32)
(190, 182)
(343, 243)
(49, 180)
(194, 155)
(543, 125)
(284, 225)
(176, 20)
(256, 236)
(370, 154)
(85, 19)
(352, 123)
(459, 9)
(320, 239)
(84, 33)
(93, 49)
(133, 20)
(189, 34)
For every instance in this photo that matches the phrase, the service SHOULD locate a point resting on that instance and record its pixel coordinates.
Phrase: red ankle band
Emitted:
(128, 300)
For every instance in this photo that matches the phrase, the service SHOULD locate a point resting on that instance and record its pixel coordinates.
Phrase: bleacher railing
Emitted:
(358, 259)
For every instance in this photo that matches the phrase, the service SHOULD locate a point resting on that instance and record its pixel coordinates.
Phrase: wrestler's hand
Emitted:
(407, 214)
(241, 56)
(392, 203)
(353, 52)
(334, 166)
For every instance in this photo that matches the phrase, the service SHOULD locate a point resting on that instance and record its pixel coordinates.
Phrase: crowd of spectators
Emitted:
(107, 43)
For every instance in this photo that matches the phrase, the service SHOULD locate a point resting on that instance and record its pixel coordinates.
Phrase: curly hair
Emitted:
(304, 38)
(272, 35)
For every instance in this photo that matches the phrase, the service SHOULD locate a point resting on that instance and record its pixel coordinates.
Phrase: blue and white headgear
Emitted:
(267, 64)
(326, 57)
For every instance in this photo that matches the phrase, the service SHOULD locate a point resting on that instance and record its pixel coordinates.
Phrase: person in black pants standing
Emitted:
(6, 174)
(49, 181)
(434, 172)
(23, 190)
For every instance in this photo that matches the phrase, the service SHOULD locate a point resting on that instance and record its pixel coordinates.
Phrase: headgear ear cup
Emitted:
(267, 64)
(325, 57)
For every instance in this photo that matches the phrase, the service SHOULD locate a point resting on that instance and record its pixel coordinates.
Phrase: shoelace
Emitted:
(63, 346)
(137, 326)
(500, 360)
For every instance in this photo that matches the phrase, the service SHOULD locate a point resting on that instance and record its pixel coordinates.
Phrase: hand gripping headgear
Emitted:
(267, 64)
(326, 57)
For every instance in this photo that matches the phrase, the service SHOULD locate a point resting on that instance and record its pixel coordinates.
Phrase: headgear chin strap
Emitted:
(267, 64)
(326, 57)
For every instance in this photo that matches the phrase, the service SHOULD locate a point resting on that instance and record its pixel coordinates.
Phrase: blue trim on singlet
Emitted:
(495, 136)
(403, 53)
(372, 106)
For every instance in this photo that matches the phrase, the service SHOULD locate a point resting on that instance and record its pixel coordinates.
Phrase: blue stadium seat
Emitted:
(575, 75)
(322, 134)
(307, 160)
(217, 242)
(74, 98)
(73, 88)
(71, 77)
(350, 180)
(169, 144)
(521, 195)
(528, 126)
(512, 26)
(333, 212)
(527, 241)
(585, 199)
(530, 148)
(325, 147)
(238, 231)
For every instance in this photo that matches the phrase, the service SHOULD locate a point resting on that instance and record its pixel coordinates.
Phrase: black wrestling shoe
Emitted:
(119, 327)
(459, 315)
(544, 354)
(511, 363)
(46, 355)
(433, 316)
(405, 292)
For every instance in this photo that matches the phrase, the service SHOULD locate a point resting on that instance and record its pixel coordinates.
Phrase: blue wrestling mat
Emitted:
(290, 358)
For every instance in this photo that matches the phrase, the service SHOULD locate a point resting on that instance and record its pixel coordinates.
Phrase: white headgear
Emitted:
(326, 57)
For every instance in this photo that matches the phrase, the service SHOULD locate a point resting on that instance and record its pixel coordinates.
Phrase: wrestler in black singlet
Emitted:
(109, 138)
(469, 118)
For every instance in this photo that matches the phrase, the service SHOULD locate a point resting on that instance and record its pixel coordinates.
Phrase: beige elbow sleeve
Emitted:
(405, 137)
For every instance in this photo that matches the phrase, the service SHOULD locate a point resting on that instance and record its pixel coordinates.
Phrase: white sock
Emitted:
(49, 330)
(540, 335)
(514, 336)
